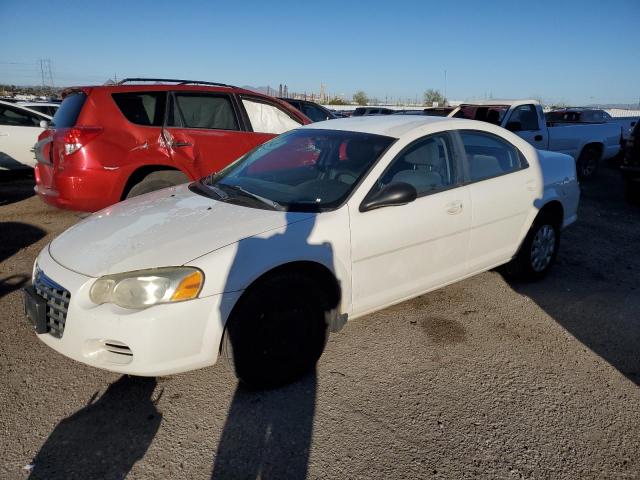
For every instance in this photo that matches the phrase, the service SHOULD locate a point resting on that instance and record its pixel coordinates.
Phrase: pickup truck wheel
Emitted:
(157, 181)
(587, 163)
(278, 330)
(538, 251)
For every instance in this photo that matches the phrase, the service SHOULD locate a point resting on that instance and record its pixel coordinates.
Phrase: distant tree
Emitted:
(360, 98)
(431, 96)
(337, 101)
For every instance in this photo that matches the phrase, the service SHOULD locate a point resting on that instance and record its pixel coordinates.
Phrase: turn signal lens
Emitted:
(189, 287)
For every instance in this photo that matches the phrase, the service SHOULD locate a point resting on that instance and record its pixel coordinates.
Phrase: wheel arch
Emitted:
(554, 210)
(319, 272)
(599, 146)
(315, 270)
(137, 175)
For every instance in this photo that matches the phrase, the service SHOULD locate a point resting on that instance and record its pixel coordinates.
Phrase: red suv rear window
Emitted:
(68, 113)
(142, 108)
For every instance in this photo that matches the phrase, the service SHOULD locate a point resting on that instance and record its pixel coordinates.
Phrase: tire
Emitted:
(632, 192)
(157, 181)
(588, 162)
(538, 252)
(278, 330)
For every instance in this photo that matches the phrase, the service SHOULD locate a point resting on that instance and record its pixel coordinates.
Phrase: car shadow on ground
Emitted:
(594, 290)
(14, 236)
(16, 186)
(105, 438)
(268, 434)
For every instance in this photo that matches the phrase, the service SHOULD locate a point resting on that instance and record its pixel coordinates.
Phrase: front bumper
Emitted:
(160, 340)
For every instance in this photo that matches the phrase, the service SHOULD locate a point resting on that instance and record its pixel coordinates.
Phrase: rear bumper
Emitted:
(87, 190)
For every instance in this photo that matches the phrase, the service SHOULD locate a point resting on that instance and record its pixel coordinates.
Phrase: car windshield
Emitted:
(303, 170)
(485, 113)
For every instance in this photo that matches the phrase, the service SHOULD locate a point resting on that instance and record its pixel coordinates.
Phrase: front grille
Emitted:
(57, 298)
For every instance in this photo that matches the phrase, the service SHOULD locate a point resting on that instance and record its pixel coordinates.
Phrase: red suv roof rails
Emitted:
(173, 80)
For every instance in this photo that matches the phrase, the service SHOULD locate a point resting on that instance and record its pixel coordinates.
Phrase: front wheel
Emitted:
(278, 330)
(537, 253)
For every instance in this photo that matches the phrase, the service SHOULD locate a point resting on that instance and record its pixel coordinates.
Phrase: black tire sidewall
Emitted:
(587, 156)
(157, 181)
(280, 350)
(521, 266)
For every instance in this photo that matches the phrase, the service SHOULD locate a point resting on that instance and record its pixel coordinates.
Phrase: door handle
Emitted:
(181, 144)
(538, 138)
(2, 134)
(454, 208)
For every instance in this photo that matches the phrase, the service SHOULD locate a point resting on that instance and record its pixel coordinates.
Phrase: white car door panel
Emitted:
(502, 192)
(19, 130)
(402, 251)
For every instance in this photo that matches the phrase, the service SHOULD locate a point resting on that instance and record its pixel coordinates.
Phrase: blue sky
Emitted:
(573, 51)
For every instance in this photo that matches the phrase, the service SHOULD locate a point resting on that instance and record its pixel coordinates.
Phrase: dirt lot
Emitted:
(483, 379)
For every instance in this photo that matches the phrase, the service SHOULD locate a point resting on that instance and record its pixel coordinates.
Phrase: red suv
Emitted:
(107, 143)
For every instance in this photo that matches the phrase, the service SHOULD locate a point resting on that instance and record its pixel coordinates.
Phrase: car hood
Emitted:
(164, 228)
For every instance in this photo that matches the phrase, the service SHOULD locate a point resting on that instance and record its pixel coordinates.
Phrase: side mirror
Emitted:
(514, 126)
(397, 193)
(44, 124)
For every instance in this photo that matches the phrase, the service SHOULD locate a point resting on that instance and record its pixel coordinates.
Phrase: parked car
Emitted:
(48, 108)
(631, 167)
(362, 111)
(315, 112)
(431, 111)
(591, 115)
(19, 130)
(111, 142)
(587, 144)
(266, 259)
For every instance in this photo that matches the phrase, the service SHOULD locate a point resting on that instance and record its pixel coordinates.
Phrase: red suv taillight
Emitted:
(77, 137)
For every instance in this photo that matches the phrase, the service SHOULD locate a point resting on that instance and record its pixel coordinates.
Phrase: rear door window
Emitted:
(489, 156)
(267, 118)
(142, 108)
(67, 115)
(314, 112)
(202, 110)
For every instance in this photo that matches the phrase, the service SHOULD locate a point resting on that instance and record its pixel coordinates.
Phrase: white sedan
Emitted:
(19, 130)
(325, 223)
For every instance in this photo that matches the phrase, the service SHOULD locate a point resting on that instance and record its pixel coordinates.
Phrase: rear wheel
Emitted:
(587, 163)
(157, 181)
(538, 251)
(278, 330)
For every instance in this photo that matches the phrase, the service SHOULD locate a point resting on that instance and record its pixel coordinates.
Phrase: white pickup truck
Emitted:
(587, 144)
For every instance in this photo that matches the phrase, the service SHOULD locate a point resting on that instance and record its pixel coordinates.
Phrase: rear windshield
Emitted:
(68, 113)
(485, 113)
(142, 108)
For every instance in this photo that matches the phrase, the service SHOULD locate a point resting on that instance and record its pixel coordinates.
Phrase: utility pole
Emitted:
(445, 84)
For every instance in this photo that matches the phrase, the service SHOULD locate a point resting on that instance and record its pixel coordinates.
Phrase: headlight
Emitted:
(144, 288)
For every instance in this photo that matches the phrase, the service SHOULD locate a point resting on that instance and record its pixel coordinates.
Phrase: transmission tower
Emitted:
(46, 72)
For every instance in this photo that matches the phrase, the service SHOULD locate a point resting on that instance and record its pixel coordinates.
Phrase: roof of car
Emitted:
(501, 102)
(23, 107)
(389, 125)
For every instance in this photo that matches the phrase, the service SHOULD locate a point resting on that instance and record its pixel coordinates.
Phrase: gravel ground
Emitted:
(482, 379)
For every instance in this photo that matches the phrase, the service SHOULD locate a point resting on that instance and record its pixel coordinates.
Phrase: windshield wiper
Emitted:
(271, 203)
